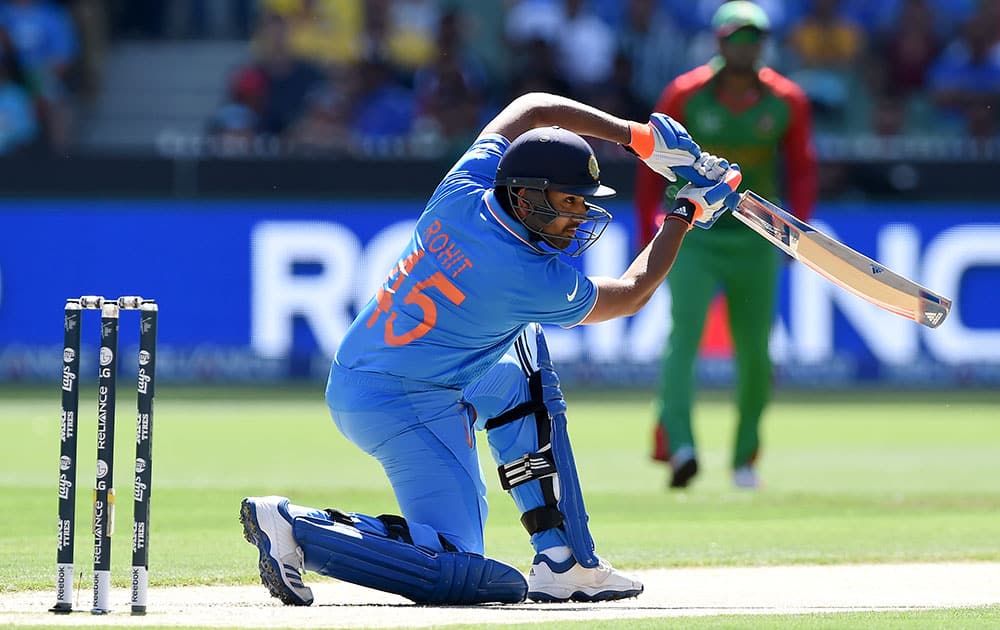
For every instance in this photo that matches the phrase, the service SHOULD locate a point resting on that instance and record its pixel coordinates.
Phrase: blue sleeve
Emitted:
(475, 170)
(556, 294)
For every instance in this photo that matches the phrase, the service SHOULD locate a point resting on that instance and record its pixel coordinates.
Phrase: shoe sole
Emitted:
(580, 596)
(270, 572)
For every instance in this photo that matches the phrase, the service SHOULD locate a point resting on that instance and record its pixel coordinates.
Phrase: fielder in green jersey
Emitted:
(754, 116)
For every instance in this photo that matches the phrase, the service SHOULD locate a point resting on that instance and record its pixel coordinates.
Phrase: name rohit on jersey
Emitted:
(449, 254)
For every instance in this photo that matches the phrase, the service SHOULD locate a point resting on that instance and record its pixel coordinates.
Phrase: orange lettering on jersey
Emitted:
(419, 297)
(438, 243)
(432, 229)
(383, 297)
(449, 256)
(466, 263)
(446, 250)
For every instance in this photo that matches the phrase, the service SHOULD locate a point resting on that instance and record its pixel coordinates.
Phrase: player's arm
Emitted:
(539, 109)
(662, 143)
(624, 296)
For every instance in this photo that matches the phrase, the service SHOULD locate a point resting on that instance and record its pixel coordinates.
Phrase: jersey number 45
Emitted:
(386, 299)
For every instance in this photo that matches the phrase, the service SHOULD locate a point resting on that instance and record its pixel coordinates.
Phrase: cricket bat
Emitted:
(841, 265)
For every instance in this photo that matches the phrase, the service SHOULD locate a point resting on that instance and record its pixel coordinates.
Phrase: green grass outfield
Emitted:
(978, 618)
(850, 477)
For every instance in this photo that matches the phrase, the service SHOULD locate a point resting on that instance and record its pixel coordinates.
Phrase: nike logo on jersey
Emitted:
(571, 295)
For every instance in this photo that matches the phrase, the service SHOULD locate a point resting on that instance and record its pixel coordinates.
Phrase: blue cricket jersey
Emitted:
(468, 282)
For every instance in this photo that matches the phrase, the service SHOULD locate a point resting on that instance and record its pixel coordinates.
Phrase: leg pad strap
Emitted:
(526, 468)
(541, 518)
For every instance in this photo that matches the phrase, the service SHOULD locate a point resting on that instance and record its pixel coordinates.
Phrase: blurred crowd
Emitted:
(39, 50)
(378, 75)
(51, 55)
(385, 76)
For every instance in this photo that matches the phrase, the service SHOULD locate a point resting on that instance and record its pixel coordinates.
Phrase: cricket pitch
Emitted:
(670, 593)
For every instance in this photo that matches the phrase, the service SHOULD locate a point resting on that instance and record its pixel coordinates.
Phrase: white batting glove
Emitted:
(703, 205)
(663, 144)
(707, 170)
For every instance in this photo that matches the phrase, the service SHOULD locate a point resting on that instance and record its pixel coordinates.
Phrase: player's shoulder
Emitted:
(475, 169)
(488, 144)
(483, 155)
(781, 86)
(674, 96)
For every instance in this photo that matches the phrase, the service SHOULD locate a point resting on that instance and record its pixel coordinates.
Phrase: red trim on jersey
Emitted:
(798, 152)
(799, 155)
(501, 216)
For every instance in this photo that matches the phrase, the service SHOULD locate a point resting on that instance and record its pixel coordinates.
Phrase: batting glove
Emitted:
(703, 205)
(663, 144)
(707, 170)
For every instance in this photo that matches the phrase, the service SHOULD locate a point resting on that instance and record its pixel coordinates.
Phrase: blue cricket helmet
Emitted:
(552, 158)
(560, 157)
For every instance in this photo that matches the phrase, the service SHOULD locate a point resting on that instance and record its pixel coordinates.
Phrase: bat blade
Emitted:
(851, 270)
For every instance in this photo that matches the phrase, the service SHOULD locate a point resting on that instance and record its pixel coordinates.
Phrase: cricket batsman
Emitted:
(450, 347)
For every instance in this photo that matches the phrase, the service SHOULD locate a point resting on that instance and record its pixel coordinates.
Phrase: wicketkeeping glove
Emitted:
(703, 205)
(663, 144)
